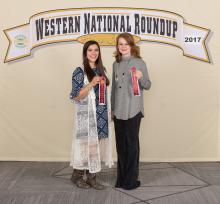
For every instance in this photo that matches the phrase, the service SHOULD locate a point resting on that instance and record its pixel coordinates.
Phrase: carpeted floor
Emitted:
(161, 183)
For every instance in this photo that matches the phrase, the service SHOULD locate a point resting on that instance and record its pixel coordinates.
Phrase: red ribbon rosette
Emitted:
(135, 84)
(102, 88)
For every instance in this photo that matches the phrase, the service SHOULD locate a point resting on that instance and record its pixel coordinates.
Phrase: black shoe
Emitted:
(118, 185)
(132, 187)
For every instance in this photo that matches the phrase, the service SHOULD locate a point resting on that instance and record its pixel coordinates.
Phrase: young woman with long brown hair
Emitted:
(92, 138)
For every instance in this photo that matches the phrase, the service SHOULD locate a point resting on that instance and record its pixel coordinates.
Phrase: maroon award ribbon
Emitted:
(102, 88)
(135, 84)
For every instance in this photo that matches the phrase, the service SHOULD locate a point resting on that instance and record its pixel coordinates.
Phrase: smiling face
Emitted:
(123, 47)
(92, 54)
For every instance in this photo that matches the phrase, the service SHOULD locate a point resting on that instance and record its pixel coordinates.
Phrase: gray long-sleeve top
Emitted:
(123, 102)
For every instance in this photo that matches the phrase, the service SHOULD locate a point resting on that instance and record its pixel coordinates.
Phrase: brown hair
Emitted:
(99, 65)
(135, 50)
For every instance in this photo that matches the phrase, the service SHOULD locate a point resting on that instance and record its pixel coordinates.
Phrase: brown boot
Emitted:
(77, 178)
(91, 180)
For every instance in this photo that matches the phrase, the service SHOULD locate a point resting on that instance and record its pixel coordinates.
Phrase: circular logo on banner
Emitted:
(20, 41)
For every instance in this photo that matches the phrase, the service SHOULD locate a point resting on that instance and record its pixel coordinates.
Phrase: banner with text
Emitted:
(103, 25)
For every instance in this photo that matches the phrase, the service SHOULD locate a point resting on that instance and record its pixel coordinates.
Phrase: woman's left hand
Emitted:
(138, 74)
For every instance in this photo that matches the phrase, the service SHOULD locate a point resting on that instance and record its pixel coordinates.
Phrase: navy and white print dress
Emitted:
(101, 110)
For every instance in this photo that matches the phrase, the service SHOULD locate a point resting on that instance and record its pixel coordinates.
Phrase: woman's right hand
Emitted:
(95, 80)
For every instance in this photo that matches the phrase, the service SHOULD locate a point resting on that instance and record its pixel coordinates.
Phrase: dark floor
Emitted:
(162, 183)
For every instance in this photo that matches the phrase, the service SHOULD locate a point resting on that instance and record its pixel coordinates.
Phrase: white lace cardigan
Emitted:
(87, 150)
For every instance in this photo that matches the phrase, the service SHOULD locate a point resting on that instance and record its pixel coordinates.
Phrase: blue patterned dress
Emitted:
(101, 110)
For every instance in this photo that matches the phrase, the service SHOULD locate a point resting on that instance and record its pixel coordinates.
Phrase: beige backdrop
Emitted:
(181, 109)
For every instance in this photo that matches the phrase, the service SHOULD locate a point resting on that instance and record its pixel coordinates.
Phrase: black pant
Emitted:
(127, 145)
